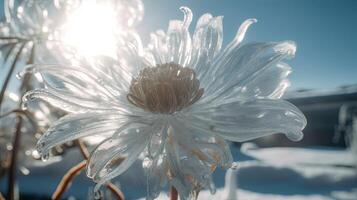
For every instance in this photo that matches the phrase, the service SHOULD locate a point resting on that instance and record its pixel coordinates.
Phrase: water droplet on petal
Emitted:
(24, 105)
(45, 157)
(29, 69)
(147, 162)
(235, 165)
(20, 75)
(212, 188)
(24, 171)
(35, 154)
(97, 194)
(9, 146)
(39, 146)
(295, 136)
(205, 176)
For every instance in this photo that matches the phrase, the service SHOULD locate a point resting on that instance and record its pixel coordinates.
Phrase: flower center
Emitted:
(165, 88)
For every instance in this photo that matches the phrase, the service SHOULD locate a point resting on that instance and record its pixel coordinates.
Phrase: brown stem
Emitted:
(67, 179)
(22, 113)
(173, 193)
(13, 38)
(2, 197)
(17, 139)
(114, 189)
(13, 167)
(16, 111)
(9, 74)
(83, 149)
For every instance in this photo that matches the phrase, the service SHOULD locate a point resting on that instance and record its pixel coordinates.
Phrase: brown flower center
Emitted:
(165, 88)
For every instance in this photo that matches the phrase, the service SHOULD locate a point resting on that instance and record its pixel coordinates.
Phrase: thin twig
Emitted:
(2, 197)
(13, 167)
(22, 113)
(15, 111)
(9, 52)
(114, 189)
(173, 193)
(17, 139)
(83, 149)
(67, 179)
(9, 74)
(12, 38)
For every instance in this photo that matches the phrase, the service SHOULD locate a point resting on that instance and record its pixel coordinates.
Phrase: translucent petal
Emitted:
(112, 71)
(242, 30)
(244, 64)
(207, 41)
(192, 158)
(242, 121)
(179, 40)
(271, 83)
(77, 90)
(116, 154)
(210, 149)
(67, 102)
(156, 176)
(75, 80)
(157, 143)
(188, 175)
(131, 54)
(224, 55)
(75, 126)
(176, 176)
(158, 47)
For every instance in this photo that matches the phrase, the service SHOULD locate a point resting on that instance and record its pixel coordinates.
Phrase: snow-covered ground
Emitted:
(263, 174)
(289, 174)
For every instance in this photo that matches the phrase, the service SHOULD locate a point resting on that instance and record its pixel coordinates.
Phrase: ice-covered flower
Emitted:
(176, 102)
(27, 35)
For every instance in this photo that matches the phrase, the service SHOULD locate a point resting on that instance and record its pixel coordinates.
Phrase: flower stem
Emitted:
(116, 191)
(13, 167)
(16, 111)
(67, 179)
(17, 139)
(173, 193)
(83, 149)
(21, 113)
(2, 197)
(9, 74)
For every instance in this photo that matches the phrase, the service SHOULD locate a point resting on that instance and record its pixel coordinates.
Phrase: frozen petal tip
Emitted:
(28, 96)
(97, 193)
(41, 149)
(27, 70)
(295, 136)
(187, 16)
(243, 29)
(287, 47)
(40, 146)
(204, 20)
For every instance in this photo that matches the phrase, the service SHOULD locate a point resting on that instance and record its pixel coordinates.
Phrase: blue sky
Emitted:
(324, 30)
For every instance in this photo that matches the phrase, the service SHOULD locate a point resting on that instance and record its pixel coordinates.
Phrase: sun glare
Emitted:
(91, 29)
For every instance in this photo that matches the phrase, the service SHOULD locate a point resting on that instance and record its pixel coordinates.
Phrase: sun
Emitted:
(92, 29)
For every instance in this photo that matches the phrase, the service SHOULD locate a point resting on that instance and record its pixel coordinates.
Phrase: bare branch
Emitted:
(67, 179)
